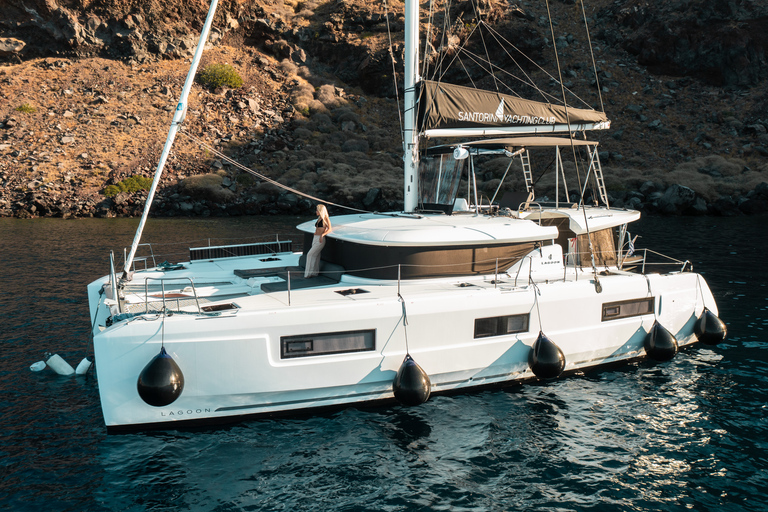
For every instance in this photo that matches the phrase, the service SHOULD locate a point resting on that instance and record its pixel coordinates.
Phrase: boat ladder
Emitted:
(525, 160)
(595, 164)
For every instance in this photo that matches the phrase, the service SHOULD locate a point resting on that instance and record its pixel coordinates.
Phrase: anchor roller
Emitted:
(411, 385)
(161, 381)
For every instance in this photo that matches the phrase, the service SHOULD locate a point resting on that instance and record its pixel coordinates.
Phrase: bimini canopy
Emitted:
(447, 110)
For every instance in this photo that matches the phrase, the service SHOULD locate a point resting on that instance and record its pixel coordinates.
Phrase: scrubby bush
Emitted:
(220, 75)
(129, 186)
(207, 186)
(288, 67)
(321, 123)
(711, 176)
(245, 180)
(26, 108)
(344, 114)
(352, 145)
(328, 97)
(302, 134)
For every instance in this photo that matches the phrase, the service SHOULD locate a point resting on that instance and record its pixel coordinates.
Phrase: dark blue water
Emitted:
(688, 434)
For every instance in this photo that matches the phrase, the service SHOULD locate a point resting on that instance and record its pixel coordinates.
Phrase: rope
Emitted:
(592, 54)
(265, 178)
(536, 293)
(405, 322)
(598, 286)
(394, 75)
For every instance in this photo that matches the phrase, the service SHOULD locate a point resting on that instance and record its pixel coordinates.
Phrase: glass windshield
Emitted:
(439, 177)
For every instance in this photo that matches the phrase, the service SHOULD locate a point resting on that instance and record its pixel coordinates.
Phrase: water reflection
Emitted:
(689, 433)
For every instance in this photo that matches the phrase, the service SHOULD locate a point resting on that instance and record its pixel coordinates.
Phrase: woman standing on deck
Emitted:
(322, 228)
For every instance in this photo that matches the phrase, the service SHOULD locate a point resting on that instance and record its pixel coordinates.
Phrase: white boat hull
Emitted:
(232, 363)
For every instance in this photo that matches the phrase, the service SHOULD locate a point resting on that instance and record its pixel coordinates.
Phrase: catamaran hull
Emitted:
(235, 365)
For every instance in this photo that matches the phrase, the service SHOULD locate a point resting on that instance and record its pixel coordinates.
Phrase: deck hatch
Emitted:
(327, 343)
(627, 308)
(351, 291)
(500, 325)
(220, 307)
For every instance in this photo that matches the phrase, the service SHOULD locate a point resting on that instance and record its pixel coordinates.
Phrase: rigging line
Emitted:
(467, 72)
(458, 52)
(546, 168)
(479, 61)
(436, 53)
(507, 42)
(592, 54)
(598, 286)
(481, 23)
(427, 37)
(394, 74)
(265, 178)
(447, 30)
(531, 83)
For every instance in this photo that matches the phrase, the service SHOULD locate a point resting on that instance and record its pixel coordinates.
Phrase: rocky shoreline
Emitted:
(91, 109)
(651, 199)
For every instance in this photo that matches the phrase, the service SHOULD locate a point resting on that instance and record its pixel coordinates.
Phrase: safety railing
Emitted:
(163, 280)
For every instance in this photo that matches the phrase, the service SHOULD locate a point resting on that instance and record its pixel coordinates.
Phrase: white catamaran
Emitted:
(449, 294)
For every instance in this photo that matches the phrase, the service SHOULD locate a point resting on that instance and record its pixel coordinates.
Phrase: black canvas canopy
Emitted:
(446, 107)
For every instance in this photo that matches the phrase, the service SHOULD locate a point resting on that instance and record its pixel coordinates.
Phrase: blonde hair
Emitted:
(323, 211)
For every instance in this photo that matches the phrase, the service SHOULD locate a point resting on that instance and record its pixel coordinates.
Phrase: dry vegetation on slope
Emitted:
(311, 115)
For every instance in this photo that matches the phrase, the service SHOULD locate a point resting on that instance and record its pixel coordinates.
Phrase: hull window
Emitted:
(627, 308)
(500, 325)
(327, 343)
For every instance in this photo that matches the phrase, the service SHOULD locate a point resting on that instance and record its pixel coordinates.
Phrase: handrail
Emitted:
(169, 251)
(541, 209)
(162, 284)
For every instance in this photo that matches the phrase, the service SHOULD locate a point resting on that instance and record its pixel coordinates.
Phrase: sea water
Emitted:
(690, 433)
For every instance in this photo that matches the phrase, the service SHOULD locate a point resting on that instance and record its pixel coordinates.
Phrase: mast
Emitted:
(178, 118)
(410, 134)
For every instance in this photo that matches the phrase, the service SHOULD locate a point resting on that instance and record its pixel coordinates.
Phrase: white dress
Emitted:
(313, 256)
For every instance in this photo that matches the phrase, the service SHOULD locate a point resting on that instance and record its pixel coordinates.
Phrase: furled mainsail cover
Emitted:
(453, 106)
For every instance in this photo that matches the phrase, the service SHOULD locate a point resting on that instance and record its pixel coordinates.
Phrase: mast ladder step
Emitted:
(599, 177)
(525, 160)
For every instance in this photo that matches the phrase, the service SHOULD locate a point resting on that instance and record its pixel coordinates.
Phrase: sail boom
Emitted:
(514, 130)
(445, 107)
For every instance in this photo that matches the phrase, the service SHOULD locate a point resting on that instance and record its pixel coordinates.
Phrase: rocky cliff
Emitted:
(684, 84)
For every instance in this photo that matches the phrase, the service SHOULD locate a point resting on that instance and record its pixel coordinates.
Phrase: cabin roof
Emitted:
(433, 230)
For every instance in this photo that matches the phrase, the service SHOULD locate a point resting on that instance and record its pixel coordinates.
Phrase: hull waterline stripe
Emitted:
(293, 402)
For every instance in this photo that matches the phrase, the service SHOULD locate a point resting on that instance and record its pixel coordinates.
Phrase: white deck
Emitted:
(232, 364)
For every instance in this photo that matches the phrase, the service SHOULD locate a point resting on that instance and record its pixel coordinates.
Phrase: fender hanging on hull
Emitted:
(709, 329)
(546, 359)
(161, 381)
(659, 343)
(411, 385)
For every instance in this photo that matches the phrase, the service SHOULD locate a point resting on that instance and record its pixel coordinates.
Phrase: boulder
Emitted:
(10, 46)
(676, 199)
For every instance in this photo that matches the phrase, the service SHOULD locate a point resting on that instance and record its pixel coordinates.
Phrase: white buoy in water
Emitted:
(38, 366)
(83, 367)
(59, 365)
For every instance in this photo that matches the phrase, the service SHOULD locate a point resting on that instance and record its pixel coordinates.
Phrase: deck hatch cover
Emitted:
(351, 291)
